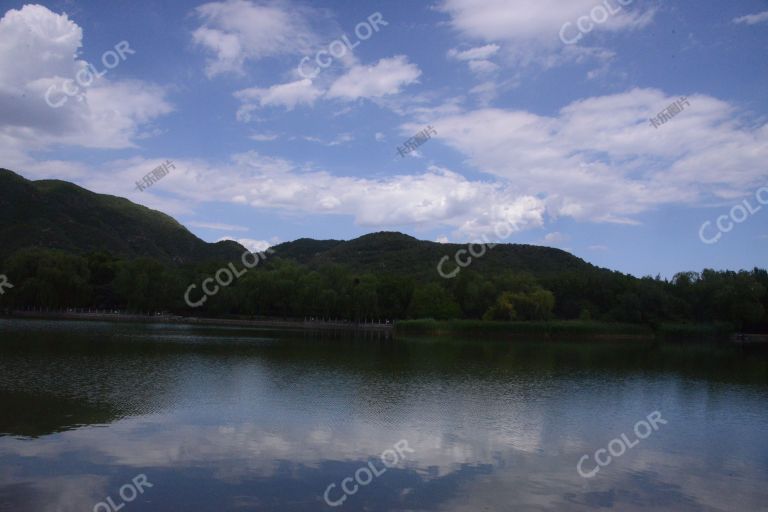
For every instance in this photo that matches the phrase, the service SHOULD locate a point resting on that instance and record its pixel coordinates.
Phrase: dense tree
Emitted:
(49, 279)
(523, 300)
(146, 285)
(287, 289)
(433, 301)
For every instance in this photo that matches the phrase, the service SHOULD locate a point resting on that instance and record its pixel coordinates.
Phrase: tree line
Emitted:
(285, 289)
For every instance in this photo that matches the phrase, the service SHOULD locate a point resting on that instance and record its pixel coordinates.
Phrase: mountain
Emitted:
(396, 253)
(56, 214)
(380, 275)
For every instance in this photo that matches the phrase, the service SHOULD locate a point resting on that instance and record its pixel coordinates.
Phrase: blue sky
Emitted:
(534, 130)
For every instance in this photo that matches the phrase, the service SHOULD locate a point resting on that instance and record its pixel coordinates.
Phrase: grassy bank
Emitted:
(275, 323)
(559, 328)
(698, 331)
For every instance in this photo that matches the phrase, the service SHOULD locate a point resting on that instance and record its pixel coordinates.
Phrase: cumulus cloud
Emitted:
(386, 77)
(752, 19)
(236, 31)
(478, 53)
(555, 238)
(38, 51)
(289, 95)
(342, 138)
(477, 58)
(217, 226)
(251, 244)
(437, 197)
(599, 159)
(482, 66)
(264, 137)
(541, 20)
(530, 29)
(485, 92)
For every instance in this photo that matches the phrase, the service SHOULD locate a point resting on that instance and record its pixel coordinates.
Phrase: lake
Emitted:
(99, 416)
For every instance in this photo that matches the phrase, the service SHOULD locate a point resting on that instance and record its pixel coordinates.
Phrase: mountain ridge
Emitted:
(56, 214)
(394, 252)
(154, 261)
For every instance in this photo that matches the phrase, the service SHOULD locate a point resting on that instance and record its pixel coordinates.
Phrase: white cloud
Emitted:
(482, 66)
(530, 29)
(752, 19)
(386, 77)
(340, 139)
(600, 159)
(477, 58)
(556, 238)
(380, 137)
(251, 244)
(289, 95)
(521, 20)
(478, 53)
(38, 54)
(236, 31)
(485, 92)
(217, 226)
(431, 199)
(263, 137)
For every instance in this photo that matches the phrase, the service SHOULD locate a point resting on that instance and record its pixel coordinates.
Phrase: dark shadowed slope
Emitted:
(397, 253)
(56, 214)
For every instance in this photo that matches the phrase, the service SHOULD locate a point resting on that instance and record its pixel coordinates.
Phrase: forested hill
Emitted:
(55, 214)
(65, 247)
(396, 253)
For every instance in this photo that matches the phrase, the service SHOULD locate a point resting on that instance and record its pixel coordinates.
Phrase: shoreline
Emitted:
(188, 320)
(557, 329)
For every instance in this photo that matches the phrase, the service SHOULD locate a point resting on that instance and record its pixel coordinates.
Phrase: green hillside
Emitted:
(55, 214)
(65, 247)
(396, 253)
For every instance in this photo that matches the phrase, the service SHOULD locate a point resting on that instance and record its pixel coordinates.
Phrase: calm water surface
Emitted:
(222, 419)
